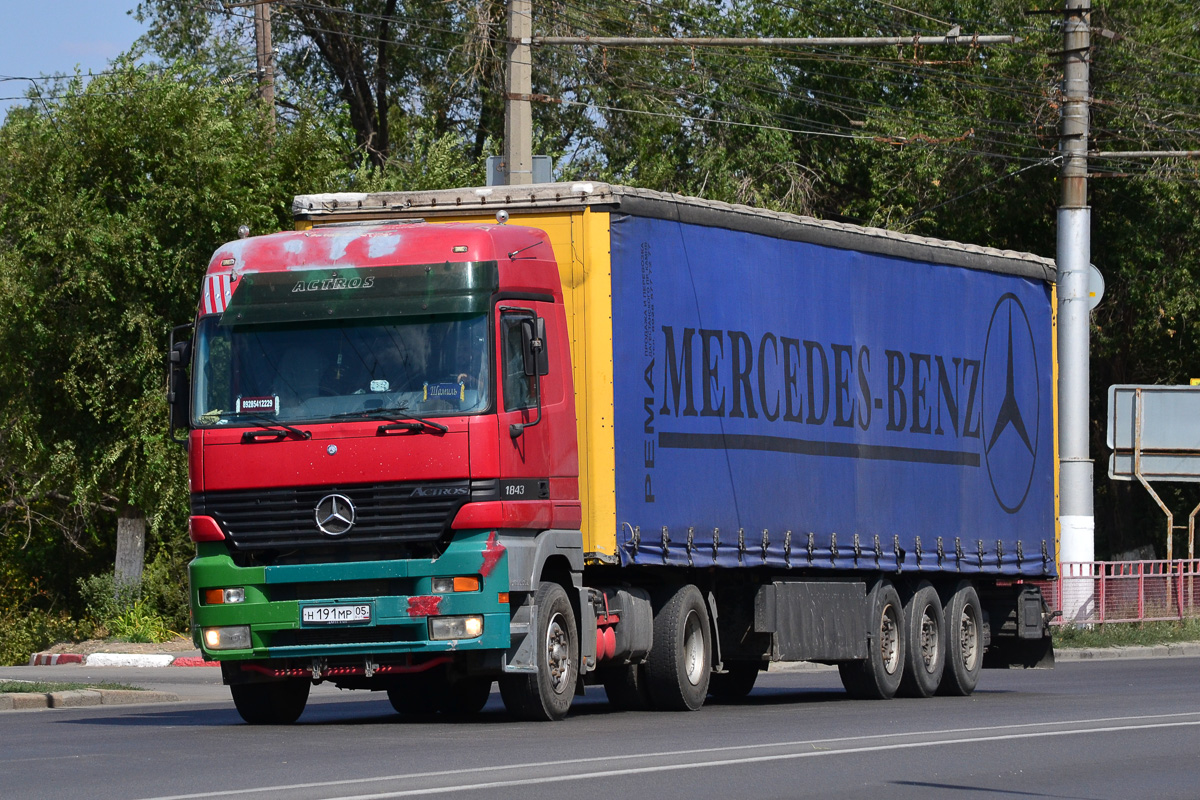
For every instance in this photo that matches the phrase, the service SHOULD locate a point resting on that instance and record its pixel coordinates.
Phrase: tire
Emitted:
(925, 654)
(275, 703)
(736, 682)
(878, 676)
(419, 693)
(625, 686)
(680, 661)
(964, 642)
(546, 695)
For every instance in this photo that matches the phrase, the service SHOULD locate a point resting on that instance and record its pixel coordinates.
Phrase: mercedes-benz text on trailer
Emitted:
(615, 437)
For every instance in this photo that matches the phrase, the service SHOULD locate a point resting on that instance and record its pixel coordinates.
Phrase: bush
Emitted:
(139, 623)
(22, 634)
(129, 611)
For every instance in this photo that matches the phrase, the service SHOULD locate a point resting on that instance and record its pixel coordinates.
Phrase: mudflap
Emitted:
(1009, 652)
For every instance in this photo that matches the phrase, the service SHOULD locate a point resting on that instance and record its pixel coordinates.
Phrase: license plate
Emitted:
(335, 615)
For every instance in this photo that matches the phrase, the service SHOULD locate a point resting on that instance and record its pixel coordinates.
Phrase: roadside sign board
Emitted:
(1170, 432)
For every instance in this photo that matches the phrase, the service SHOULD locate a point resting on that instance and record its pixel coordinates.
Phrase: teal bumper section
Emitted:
(397, 595)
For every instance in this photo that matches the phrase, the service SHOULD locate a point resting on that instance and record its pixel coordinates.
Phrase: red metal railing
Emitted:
(1124, 591)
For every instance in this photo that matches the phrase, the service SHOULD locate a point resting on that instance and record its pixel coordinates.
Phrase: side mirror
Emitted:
(533, 340)
(179, 399)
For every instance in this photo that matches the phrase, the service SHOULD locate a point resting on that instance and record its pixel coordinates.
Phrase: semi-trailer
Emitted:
(572, 434)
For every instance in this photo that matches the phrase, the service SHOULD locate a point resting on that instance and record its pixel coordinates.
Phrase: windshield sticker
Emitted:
(380, 386)
(218, 291)
(258, 405)
(456, 392)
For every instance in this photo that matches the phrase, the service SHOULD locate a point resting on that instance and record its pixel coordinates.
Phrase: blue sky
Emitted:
(41, 37)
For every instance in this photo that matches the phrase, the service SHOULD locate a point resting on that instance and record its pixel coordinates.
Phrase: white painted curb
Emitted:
(128, 660)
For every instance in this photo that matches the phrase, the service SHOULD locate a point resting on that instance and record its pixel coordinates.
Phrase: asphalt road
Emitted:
(1120, 729)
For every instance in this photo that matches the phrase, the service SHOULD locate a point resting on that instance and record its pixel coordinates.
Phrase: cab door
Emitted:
(524, 434)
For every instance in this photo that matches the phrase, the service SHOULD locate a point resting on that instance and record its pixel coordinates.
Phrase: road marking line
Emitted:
(738, 761)
(707, 751)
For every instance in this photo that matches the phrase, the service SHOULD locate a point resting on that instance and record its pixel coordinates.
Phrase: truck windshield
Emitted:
(307, 372)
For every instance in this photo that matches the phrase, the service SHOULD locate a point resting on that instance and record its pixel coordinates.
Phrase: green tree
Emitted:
(112, 198)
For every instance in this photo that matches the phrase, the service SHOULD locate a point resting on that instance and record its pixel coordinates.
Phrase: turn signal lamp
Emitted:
(457, 584)
(205, 529)
(231, 637)
(218, 597)
(442, 628)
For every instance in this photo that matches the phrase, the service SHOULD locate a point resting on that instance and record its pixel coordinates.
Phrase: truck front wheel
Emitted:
(547, 694)
(878, 676)
(275, 703)
(680, 663)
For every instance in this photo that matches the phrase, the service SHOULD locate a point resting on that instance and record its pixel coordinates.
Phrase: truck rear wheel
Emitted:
(736, 681)
(274, 703)
(680, 662)
(547, 694)
(964, 642)
(877, 677)
(925, 655)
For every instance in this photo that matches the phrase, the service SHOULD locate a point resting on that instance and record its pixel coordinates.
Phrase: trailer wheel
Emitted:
(275, 703)
(964, 642)
(547, 694)
(925, 655)
(877, 677)
(679, 664)
(625, 686)
(735, 682)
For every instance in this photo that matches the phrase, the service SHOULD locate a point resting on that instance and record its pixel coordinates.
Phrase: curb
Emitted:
(120, 660)
(80, 698)
(1186, 649)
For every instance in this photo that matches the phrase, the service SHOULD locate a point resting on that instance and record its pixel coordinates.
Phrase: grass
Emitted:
(44, 687)
(1126, 634)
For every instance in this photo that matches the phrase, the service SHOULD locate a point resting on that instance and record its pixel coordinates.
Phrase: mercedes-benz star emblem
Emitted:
(334, 514)
(1011, 403)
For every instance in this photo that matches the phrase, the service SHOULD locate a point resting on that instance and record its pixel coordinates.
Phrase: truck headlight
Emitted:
(230, 637)
(442, 628)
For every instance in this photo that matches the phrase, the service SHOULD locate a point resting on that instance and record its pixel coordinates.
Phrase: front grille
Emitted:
(337, 590)
(380, 634)
(284, 520)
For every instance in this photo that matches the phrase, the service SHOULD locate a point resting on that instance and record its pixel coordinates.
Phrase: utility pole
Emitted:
(266, 57)
(1077, 519)
(518, 84)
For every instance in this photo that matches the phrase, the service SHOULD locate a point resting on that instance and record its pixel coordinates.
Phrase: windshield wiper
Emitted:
(272, 425)
(395, 414)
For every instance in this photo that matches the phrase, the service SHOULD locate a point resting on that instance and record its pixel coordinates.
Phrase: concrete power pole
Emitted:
(1076, 514)
(266, 56)
(518, 83)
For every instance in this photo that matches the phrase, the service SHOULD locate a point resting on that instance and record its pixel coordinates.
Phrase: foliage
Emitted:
(113, 198)
(24, 631)
(1126, 634)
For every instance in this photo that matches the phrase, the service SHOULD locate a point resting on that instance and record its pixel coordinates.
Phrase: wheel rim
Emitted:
(889, 640)
(968, 639)
(693, 649)
(558, 653)
(930, 641)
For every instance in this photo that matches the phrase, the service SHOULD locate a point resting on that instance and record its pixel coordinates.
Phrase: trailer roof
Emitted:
(663, 205)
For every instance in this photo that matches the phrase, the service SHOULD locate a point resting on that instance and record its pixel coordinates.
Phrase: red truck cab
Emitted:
(379, 413)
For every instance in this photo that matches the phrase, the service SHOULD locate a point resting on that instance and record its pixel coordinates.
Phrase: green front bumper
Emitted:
(399, 593)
